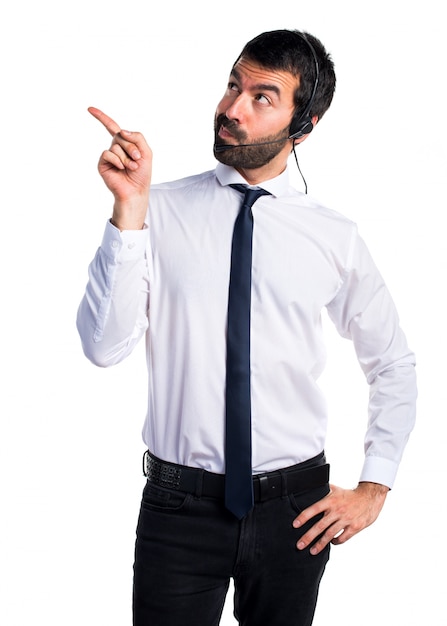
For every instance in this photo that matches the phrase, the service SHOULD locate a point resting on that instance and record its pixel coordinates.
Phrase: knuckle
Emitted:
(356, 527)
(322, 542)
(116, 149)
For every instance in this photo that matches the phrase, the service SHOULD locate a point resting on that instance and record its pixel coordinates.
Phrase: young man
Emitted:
(166, 269)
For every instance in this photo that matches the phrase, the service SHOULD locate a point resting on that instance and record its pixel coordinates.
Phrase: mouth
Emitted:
(224, 133)
(227, 129)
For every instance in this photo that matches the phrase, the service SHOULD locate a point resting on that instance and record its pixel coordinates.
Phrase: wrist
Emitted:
(374, 489)
(129, 215)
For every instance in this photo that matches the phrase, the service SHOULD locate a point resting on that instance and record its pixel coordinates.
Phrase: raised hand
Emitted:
(126, 169)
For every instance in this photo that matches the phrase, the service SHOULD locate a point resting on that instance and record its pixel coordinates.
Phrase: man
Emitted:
(167, 272)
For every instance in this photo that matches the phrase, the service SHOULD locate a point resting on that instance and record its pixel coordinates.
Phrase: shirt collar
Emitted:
(277, 186)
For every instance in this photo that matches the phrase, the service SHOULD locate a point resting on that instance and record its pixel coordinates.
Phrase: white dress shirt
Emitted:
(169, 282)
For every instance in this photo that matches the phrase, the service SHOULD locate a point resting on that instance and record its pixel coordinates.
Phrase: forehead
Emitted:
(255, 76)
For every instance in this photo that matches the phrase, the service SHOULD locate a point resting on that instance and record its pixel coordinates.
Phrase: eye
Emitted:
(262, 99)
(232, 87)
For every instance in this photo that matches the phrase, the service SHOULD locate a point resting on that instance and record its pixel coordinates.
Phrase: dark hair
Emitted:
(288, 50)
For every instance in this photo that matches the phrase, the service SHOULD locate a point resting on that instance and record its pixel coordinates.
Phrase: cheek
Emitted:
(223, 105)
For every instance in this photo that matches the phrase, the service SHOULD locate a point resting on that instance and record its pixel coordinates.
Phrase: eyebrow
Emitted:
(258, 86)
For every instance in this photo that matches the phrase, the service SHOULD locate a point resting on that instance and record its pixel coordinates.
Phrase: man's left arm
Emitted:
(364, 312)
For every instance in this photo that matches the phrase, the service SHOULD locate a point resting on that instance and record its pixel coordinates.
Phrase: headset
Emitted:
(301, 123)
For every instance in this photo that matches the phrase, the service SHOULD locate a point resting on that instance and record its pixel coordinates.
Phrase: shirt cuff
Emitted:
(126, 245)
(379, 470)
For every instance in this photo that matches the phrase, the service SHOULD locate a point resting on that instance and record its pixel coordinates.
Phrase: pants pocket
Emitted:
(302, 500)
(162, 499)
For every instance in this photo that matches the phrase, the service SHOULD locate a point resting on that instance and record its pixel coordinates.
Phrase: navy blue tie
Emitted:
(238, 463)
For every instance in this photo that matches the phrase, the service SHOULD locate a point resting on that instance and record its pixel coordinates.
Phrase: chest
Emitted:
(292, 263)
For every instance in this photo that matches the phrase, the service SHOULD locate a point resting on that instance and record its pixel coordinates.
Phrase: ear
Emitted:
(314, 121)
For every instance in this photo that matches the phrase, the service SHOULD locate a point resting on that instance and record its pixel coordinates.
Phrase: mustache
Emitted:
(231, 126)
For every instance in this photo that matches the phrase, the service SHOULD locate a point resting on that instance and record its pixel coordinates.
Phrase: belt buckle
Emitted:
(269, 485)
(263, 481)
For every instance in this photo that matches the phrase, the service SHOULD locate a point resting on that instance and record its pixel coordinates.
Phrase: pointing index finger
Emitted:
(105, 120)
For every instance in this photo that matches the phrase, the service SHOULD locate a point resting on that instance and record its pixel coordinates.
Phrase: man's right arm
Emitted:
(112, 316)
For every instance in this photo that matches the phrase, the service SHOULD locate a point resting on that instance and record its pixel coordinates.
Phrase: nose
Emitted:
(237, 110)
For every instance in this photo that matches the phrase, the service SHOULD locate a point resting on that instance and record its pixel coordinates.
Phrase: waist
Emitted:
(297, 478)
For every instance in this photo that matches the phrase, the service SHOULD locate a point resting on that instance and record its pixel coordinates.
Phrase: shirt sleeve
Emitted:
(113, 313)
(364, 312)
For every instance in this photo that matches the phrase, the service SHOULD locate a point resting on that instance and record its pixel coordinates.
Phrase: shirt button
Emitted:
(131, 245)
(115, 244)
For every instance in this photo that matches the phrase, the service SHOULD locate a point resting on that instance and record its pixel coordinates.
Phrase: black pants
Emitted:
(188, 549)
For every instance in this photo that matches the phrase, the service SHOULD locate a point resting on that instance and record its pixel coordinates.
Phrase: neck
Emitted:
(268, 171)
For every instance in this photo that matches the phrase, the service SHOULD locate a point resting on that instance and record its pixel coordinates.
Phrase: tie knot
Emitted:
(250, 194)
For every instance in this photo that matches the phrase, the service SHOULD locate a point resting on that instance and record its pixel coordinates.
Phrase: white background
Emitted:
(70, 444)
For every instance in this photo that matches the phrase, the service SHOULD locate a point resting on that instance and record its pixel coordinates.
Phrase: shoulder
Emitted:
(312, 206)
(187, 184)
(314, 216)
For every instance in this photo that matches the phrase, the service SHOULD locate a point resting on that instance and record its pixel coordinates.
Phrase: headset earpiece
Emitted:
(302, 128)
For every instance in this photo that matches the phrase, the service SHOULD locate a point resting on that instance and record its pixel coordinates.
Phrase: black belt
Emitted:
(295, 479)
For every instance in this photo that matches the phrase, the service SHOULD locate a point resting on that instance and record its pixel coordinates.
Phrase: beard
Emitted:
(247, 155)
